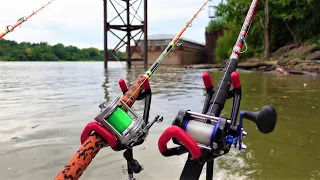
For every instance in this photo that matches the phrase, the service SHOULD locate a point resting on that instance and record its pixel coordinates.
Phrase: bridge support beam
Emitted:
(133, 28)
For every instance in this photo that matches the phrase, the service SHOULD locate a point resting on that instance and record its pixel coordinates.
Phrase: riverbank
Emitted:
(290, 59)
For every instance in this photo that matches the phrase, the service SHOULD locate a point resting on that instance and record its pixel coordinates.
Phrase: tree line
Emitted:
(276, 23)
(25, 51)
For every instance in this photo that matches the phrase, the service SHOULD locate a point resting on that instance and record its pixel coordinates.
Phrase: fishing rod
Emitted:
(206, 136)
(10, 28)
(117, 125)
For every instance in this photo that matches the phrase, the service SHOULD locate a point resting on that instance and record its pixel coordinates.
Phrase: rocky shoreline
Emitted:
(290, 59)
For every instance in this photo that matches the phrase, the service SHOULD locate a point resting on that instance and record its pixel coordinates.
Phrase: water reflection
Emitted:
(295, 140)
(45, 106)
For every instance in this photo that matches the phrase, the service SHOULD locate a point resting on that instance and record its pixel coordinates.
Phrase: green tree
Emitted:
(292, 12)
(28, 52)
(276, 23)
(59, 51)
(1, 52)
(25, 51)
(216, 24)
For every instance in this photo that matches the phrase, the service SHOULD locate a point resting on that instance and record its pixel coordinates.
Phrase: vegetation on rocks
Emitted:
(276, 25)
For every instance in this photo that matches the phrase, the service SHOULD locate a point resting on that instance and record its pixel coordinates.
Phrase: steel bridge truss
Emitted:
(132, 26)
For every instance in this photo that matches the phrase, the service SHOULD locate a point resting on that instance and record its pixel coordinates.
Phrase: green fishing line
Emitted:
(119, 120)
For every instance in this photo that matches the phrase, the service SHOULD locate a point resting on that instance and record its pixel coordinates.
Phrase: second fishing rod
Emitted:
(206, 136)
(10, 28)
(117, 125)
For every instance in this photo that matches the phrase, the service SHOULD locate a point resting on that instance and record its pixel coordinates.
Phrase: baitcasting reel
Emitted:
(123, 122)
(120, 126)
(206, 136)
(203, 133)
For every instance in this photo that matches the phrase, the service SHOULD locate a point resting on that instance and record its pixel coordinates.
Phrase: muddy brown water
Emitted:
(44, 106)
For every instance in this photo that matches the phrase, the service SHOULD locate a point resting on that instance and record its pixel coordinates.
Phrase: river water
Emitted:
(44, 106)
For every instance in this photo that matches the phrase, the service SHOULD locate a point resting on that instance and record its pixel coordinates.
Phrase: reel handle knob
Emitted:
(265, 119)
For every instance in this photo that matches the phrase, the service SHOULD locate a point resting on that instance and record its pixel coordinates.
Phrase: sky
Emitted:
(80, 22)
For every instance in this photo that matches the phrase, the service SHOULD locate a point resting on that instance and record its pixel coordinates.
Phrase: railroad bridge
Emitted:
(189, 52)
(142, 48)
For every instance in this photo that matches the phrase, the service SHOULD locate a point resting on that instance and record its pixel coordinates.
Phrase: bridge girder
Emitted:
(131, 30)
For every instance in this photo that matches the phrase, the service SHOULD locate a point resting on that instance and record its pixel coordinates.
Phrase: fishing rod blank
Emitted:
(10, 28)
(117, 125)
(206, 136)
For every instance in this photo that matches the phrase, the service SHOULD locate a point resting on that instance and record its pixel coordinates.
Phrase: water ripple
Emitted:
(45, 106)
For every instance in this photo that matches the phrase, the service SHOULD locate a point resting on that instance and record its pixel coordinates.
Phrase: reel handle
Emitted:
(265, 119)
(178, 133)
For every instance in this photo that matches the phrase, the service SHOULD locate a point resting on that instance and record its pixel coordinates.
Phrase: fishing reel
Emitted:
(199, 133)
(206, 136)
(120, 126)
(128, 128)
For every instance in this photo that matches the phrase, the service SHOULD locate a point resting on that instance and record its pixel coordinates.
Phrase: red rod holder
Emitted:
(235, 80)
(207, 80)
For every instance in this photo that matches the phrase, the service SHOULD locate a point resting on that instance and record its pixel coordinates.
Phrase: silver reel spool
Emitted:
(203, 129)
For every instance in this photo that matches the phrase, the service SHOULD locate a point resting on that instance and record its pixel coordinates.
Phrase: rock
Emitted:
(270, 68)
(34, 126)
(313, 56)
(311, 68)
(284, 49)
(303, 50)
(285, 55)
(280, 70)
(262, 68)
(283, 62)
(293, 62)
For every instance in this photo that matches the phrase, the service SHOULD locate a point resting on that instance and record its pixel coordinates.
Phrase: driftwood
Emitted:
(244, 65)
(250, 65)
(296, 72)
(285, 49)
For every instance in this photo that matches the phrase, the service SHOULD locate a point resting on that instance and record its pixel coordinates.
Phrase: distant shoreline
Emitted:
(26, 51)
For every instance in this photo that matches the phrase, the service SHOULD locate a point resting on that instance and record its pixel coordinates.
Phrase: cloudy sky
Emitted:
(80, 22)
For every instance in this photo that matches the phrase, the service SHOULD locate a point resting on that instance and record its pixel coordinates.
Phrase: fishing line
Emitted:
(171, 45)
(237, 51)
